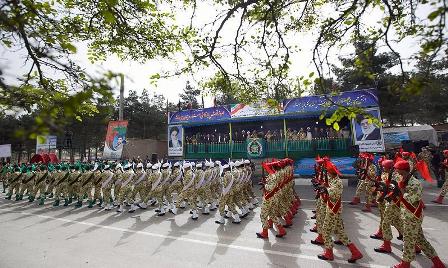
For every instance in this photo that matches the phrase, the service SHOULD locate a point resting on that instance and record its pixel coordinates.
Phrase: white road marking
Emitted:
(426, 204)
(203, 242)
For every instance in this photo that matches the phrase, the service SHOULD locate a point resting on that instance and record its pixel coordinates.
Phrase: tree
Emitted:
(189, 97)
(48, 32)
(258, 54)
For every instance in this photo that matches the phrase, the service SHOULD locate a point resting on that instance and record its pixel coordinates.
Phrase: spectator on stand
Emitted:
(309, 135)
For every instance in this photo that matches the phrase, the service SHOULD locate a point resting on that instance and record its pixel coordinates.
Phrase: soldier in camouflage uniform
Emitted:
(175, 187)
(367, 176)
(107, 185)
(126, 188)
(42, 176)
(269, 213)
(95, 192)
(144, 188)
(14, 178)
(333, 224)
(392, 213)
(72, 183)
(85, 184)
(60, 177)
(321, 206)
(444, 171)
(410, 191)
(189, 191)
(228, 180)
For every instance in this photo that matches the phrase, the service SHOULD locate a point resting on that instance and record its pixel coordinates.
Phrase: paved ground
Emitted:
(43, 236)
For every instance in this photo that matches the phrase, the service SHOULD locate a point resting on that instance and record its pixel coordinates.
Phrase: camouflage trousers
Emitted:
(191, 196)
(39, 188)
(107, 193)
(84, 190)
(27, 187)
(391, 217)
(14, 187)
(160, 193)
(412, 236)
(125, 194)
(444, 190)
(58, 190)
(364, 187)
(333, 225)
(70, 190)
(205, 194)
(176, 188)
(381, 209)
(96, 193)
(226, 200)
(321, 209)
(267, 213)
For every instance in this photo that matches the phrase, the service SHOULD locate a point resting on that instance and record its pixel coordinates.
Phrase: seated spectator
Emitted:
(302, 134)
(268, 136)
(309, 135)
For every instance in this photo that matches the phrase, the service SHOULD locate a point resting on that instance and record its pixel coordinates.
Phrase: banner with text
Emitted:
(5, 150)
(44, 144)
(254, 109)
(115, 139)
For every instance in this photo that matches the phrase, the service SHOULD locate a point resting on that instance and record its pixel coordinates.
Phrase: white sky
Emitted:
(137, 75)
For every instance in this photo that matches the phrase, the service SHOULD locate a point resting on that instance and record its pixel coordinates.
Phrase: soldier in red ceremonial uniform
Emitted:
(410, 191)
(333, 224)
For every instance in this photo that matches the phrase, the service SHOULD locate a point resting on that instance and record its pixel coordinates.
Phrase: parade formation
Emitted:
(390, 183)
(169, 186)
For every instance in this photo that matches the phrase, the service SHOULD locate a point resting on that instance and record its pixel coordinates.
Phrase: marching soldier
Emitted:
(189, 191)
(367, 176)
(175, 186)
(85, 185)
(410, 191)
(392, 214)
(127, 184)
(444, 171)
(41, 183)
(60, 177)
(96, 186)
(107, 185)
(333, 224)
(269, 212)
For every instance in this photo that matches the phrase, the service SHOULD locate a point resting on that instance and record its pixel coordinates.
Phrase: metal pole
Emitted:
(285, 142)
(120, 112)
(230, 140)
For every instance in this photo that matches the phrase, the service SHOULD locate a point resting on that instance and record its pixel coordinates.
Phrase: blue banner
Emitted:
(305, 167)
(200, 115)
(315, 104)
(395, 137)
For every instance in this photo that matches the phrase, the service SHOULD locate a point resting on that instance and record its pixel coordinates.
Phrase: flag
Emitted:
(178, 105)
(214, 102)
(422, 167)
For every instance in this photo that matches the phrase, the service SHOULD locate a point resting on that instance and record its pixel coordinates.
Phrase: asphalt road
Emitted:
(44, 236)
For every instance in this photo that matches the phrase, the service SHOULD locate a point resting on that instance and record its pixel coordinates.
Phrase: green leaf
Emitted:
(108, 16)
(328, 121)
(321, 116)
(433, 15)
(336, 126)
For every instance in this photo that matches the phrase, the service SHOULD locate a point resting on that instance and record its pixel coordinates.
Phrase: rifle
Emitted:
(16, 178)
(42, 178)
(88, 180)
(63, 179)
(75, 180)
(32, 177)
